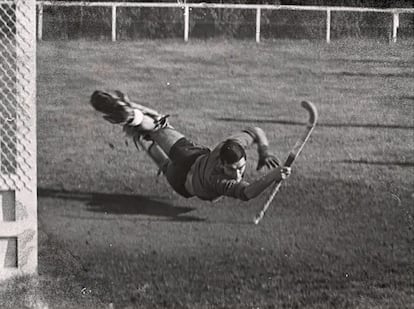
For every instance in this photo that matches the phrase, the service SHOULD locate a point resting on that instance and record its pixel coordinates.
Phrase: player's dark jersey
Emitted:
(206, 178)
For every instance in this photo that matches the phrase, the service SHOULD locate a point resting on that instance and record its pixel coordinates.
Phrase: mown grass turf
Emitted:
(339, 234)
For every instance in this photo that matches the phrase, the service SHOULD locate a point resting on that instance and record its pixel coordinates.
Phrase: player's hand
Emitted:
(267, 159)
(270, 161)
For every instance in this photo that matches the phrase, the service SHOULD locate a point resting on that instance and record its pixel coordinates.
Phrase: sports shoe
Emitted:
(136, 119)
(115, 109)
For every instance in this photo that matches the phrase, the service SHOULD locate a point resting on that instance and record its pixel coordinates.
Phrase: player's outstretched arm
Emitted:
(261, 184)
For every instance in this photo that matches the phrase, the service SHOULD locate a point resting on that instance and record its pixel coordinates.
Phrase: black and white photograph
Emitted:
(206, 154)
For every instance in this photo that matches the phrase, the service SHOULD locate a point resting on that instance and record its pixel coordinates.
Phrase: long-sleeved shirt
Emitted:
(206, 178)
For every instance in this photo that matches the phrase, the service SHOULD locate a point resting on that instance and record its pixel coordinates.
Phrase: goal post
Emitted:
(18, 183)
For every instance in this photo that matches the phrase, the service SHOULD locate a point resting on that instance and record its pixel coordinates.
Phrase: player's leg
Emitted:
(156, 153)
(168, 148)
(139, 122)
(166, 138)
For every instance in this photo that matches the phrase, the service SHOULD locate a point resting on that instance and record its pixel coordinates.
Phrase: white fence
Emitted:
(186, 7)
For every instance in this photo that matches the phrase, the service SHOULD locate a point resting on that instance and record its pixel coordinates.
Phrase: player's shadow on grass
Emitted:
(122, 204)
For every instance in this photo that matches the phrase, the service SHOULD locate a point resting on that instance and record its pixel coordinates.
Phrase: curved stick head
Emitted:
(313, 113)
(258, 218)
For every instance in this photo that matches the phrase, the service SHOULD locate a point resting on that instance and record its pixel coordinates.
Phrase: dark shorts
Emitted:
(182, 156)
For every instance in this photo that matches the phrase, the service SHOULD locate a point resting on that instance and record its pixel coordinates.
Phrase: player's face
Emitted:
(236, 170)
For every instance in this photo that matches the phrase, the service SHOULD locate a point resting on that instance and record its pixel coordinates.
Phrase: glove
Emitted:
(266, 159)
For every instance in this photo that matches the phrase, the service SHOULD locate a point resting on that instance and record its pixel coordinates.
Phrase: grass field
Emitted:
(338, 235)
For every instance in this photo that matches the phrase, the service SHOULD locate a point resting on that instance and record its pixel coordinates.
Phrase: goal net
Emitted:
(18, 198)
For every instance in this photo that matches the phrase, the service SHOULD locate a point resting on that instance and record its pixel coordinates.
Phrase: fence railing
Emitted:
(187, 7)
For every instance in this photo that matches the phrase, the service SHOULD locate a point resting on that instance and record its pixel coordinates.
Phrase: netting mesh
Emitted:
(17, 93)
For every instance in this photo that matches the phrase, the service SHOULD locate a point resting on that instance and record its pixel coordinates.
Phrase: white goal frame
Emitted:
(18, 183)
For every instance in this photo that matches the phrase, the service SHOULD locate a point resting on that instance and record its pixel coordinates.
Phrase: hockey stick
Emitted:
(294, 153)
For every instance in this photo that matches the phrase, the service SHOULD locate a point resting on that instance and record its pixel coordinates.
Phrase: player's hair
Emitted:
(231, 152)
